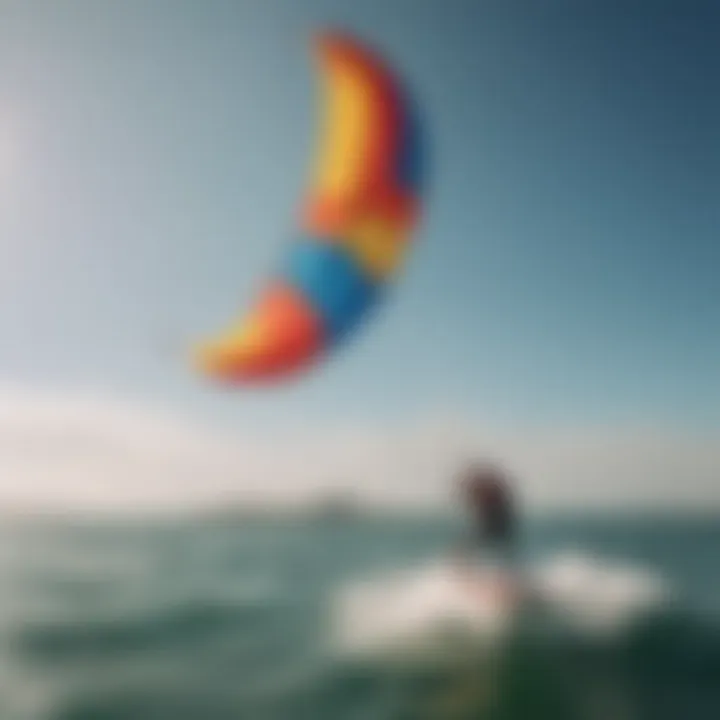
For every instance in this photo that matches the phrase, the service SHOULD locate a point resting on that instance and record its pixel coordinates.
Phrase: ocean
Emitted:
(195, 619)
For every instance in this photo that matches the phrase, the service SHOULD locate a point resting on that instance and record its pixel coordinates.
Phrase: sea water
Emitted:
(258, 618)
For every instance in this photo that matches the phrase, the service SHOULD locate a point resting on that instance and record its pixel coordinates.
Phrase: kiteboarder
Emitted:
(488, 554)
(486, 494)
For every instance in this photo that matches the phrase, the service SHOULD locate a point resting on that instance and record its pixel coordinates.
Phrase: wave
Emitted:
(164, 628)
(609, 641)
(572, 592)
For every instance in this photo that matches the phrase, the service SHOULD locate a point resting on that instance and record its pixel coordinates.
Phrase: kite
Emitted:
(355, 230)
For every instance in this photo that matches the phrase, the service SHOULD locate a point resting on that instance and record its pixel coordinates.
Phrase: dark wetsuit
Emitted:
(493, 515)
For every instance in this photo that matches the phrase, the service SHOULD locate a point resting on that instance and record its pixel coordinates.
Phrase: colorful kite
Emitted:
(356, 226)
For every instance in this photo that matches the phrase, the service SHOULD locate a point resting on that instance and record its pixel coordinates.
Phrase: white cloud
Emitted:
(85, 451)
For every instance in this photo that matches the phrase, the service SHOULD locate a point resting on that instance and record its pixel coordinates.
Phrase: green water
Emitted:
(208, 621)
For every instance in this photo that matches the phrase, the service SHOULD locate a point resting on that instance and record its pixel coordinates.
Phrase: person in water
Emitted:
(486, 494)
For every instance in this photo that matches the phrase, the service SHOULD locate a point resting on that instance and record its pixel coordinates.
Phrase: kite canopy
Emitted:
(356, 224)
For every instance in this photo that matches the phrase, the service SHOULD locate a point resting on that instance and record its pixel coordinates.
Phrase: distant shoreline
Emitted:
(254, 514)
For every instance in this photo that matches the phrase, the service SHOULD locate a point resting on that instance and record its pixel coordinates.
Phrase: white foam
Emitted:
(411, 607)
(597, 595)
(408, 608)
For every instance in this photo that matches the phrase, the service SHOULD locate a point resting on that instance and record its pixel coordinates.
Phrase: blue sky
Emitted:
(153, 154)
